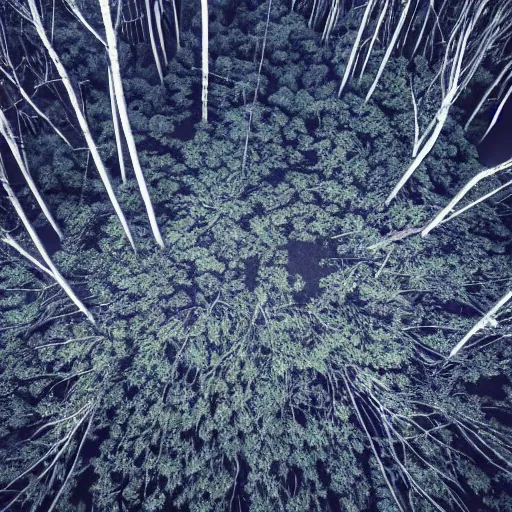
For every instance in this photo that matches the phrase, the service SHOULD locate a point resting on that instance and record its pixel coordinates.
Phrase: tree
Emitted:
(52, 269)
(31, 14)
(8, 135)
(292, 348)
(115, 72)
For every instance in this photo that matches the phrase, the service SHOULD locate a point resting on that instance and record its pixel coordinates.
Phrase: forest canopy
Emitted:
(242, 282)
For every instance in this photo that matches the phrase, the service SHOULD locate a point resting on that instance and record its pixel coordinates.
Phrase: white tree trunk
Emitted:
(6, 131)
(158, 18)
(374, 38)
(479, 200)
(9, 240)
(423, 27)
(36, 19)
(496, 114)
(14, 80)
(390, 48)
(176, 24)
(487, 319)
(153, 42)
(78, 13)
(125, 122)
(204, 53)
(355, 47)
(115, 121)
(448, 209)
(450, 94)
(332, 19)
(313, 11)
(487, 93)
(40, 247)
(425, 150)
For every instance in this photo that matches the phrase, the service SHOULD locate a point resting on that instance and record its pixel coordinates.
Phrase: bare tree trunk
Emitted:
(355, 47)
(7, 133)
(158, 18)
(9, 240)
(153, 42)
(374, 38)
(36, 20)
(487, 93)
(332, 19)
(125, 122)
(204, 28)
(451, 89)
(448, 209)
(176, 24)
(390, 48)
(115, 121)
(76, 11)
(496, 114)
(487, 319)
(40, 247)
(256, 89)
(13, 78)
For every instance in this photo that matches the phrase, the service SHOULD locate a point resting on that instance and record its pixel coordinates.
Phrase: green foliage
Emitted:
(221, 368)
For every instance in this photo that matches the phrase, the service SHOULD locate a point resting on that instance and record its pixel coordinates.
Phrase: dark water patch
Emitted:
(496, 147)
(50, 239)
(323, 474)
(276, 176)
(81, 491)
(186, 130)
(252, 265)
(294, 479)
(489, 387)
(153, 145)
(501, 415)
(304, 258)
(311, 157)
(300, 417)
(312, 124)
(458, 308)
